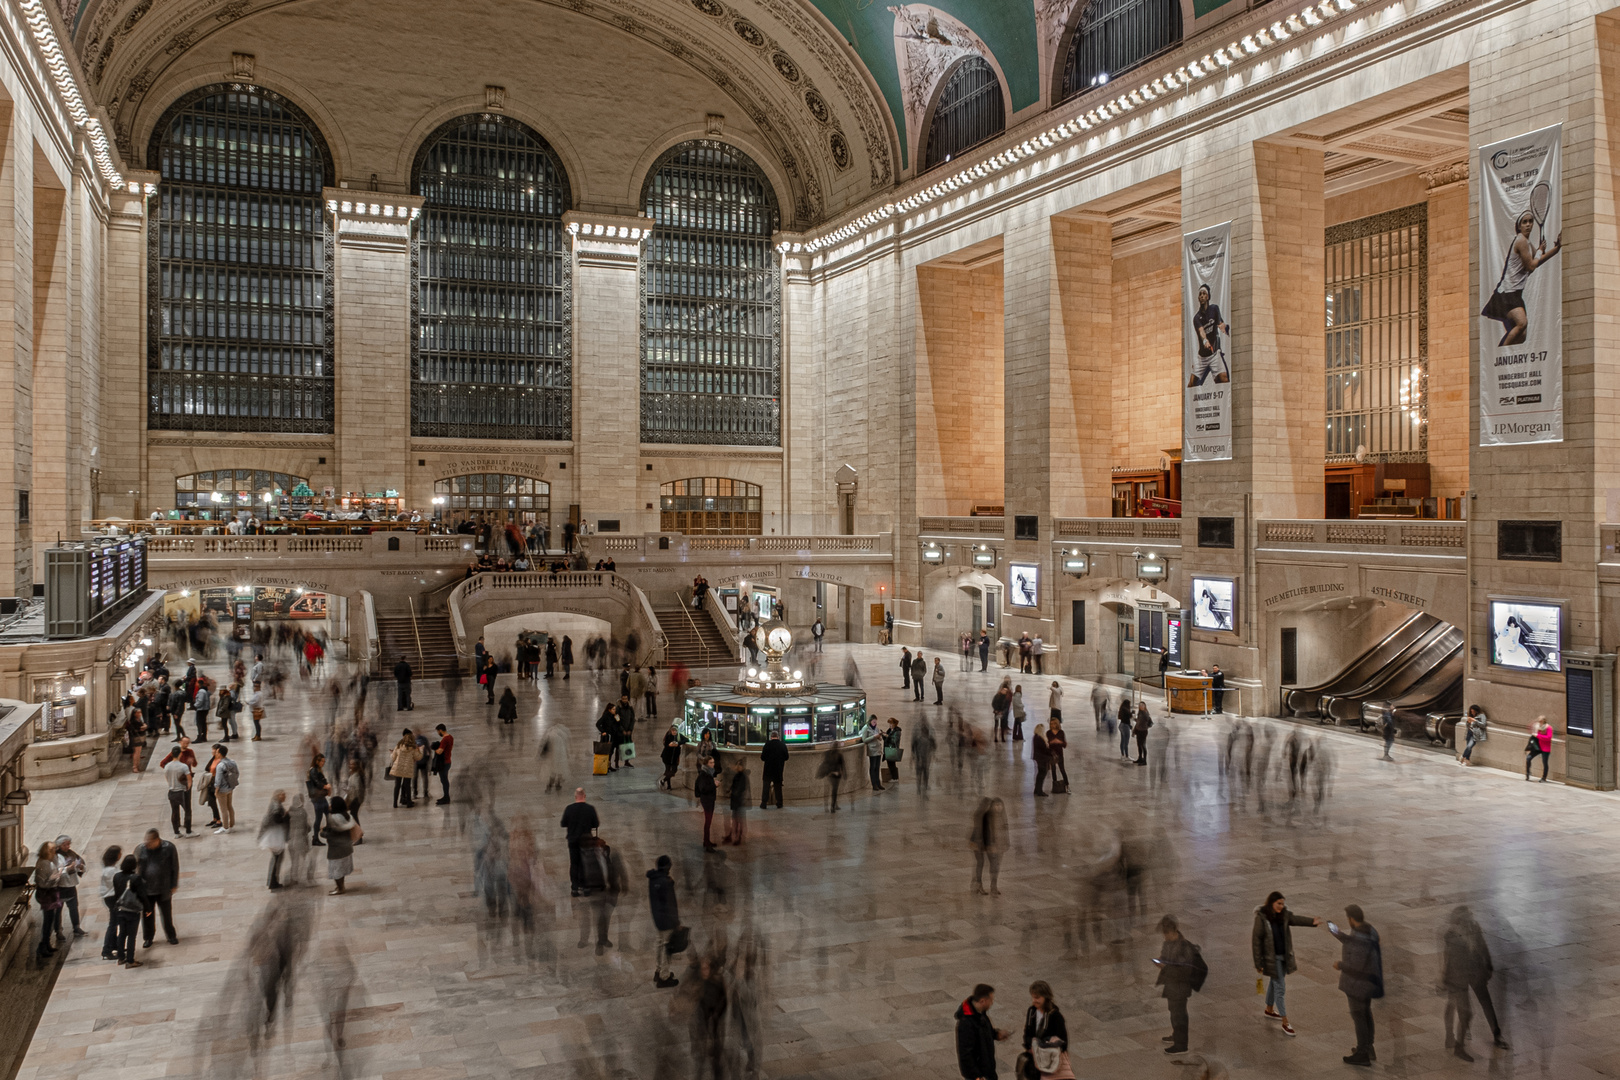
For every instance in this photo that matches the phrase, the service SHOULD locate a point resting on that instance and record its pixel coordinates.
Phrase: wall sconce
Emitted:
(1076, 563)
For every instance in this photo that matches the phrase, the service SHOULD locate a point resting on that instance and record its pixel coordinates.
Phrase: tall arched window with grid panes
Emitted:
(711, 307)
(492, 352)
(969, 111)
(240, 268)
(1113, 36)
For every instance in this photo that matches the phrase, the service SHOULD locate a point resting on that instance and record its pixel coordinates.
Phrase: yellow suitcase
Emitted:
(599, 764)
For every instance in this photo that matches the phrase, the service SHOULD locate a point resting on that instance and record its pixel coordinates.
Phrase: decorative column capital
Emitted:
(607, 239)
(372, 215)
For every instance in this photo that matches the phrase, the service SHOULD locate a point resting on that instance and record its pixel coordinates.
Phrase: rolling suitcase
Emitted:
(599, 764)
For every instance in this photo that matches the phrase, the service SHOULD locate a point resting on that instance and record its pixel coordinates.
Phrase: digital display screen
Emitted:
(1214, 604)
(109, 577)
(1527, 635)
(126, 569)
(795, 731)
(95, 586)
(1023, 585)
(1172, 639)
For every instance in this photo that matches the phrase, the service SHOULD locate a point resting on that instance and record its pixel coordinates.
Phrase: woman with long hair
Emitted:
(48, 895)
(1045, 1031)
(1272, 943)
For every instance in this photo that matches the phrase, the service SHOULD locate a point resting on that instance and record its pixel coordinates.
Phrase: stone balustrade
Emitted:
(1364, 535)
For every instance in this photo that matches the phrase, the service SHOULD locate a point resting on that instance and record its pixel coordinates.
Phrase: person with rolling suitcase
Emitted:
(579, 821)
(602, 883)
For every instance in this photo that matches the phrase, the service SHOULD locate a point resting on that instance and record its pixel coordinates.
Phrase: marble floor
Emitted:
(860, 929)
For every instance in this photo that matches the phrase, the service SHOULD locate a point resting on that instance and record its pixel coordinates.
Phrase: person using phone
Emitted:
(1181, 971)
(1361, 979)
(1272, 944)
(976, 1037)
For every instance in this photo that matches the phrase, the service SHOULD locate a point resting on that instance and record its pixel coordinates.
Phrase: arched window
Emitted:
(711, 309)
(520, 497)
(713, 505)
(492, 350)
(240, 285)
(225, 491)
(1115, 36)
(969, 111)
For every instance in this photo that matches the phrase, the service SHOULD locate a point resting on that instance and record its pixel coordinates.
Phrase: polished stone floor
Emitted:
(859, 931)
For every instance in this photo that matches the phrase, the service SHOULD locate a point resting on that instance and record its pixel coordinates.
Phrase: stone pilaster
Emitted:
(372, 338)
(16, 348)
(121, 446)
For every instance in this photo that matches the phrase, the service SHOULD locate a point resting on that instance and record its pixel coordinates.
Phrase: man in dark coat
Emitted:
(1361, 979)
(976, 1036)
(402, 681)
(705, 788)
(1217, 685)
(773, 757)
(666, 919)
(579, 820)
(1465, 965)
(919, 674)
(905, 668)
(1181, 971)
(160, 875)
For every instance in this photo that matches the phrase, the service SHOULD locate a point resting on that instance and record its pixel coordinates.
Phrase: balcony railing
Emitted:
(1443, 537)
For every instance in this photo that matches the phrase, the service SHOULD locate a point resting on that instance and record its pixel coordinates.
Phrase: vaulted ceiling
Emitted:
(826, 84)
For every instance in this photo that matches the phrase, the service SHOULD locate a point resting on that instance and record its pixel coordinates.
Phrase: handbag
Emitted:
(1533, 746)
(679, 939)
(128, 901)
(602, 747)
(893, 753)
(1024, 1067)
(1046, 1057)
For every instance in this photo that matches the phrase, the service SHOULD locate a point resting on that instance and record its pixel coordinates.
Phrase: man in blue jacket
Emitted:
(666, 919)
(1361, 979)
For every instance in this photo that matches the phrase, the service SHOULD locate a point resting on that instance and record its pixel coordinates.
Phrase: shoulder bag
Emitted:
(129, 902)
(1046, 1057)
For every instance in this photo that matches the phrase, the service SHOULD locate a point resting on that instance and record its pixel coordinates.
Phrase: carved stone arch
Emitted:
(197, 85)
(428, 126)
(653, 158)
(1070, 27)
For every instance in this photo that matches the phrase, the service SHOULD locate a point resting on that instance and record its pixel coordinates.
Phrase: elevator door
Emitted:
(1125, 660)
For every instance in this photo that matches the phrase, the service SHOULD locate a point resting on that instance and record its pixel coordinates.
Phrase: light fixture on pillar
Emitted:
(1150, 567)
(984, 555)
(1075, 562)
(932, 552)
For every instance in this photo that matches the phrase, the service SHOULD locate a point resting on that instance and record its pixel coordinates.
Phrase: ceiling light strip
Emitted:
(67, 85)
(1251, 45)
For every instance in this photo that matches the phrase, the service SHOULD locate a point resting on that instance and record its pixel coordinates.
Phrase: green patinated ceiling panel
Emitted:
(1006, 26)
(1204, 7)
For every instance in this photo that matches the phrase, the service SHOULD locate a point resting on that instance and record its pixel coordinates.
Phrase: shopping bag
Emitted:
(627, 751)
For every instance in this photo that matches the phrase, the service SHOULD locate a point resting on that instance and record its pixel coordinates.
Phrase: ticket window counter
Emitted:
(798, 723)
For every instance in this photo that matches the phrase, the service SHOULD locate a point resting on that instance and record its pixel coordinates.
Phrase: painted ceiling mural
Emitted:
(815, 104)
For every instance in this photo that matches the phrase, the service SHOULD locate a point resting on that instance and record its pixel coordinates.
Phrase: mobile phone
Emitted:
(1333, 928)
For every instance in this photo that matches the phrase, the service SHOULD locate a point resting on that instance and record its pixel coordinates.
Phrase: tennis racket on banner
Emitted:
(1540, 203)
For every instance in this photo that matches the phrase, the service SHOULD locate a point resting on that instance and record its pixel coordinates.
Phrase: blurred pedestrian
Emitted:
(48, 895)
(579, 821)
(441, 763)
(128, 900)
(988, 838)
(873, 738)
(831, 770)
(274, 835)
(1540, 743)
(1099, 706)
(671, 756)
(773, 759)
(666, 919)
(402, 761)
(976, 1036)
(1140, 728)
(1046, 1035)
(71, 866)
(109, 897)
(1465, 965)
(1387, 726)
(891, 749)
(319, 789)
(342, 833)
(1042, 754)
(1272, 943)
(738, 793)
(1125, 728)
(508, 707)
(1056, 743)
(1478, 731)
(1000, 706)
(923, 745)
(1361, 979)
(1181, 972)
(159, 865)
(1018, 713)
(706, 788)
(1054, 702)
(354, 791)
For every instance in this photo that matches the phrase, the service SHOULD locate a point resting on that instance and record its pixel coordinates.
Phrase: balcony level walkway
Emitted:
(864, 926)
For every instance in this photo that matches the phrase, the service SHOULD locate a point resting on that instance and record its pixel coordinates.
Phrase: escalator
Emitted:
(1410, 672)
(1306, 701)
(1436, 694)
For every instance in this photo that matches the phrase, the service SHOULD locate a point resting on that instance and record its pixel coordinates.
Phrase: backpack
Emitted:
(593, 861)
(1200, 970)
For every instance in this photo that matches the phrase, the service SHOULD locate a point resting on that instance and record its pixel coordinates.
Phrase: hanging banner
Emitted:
(1521, 356)
(1206, 408)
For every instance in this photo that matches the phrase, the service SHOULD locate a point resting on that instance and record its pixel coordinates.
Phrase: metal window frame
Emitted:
(305, 403)
(970, 110)
(1125, 31)
(1373, 330)
(708, 412)
(554, 400)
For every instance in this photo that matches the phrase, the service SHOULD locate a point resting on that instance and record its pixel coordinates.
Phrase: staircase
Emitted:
(686, 646)
(396, 638)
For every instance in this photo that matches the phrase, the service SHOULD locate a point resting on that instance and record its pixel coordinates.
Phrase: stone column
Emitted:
(809, 495)
(1273, 195)
(16, 349)
(1058, 398)
(1572, 74)
(56, 405)
(121, 445)
(372, 338)
(607, 368)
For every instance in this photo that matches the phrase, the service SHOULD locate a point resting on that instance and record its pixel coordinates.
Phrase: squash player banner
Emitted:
(1206, 407)
(1521, 358)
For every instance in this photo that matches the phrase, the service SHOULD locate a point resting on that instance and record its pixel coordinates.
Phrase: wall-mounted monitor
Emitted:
(1214, 604)
(1024, 585)
(796, 731)
(1527, 634)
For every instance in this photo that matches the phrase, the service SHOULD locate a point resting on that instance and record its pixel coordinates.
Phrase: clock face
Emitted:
(780, 639)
